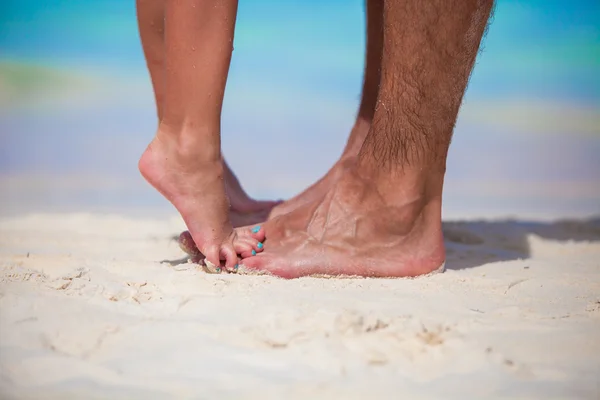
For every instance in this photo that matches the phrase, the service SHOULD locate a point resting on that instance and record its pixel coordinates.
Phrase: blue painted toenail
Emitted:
(259, 245)
(253, 252)
(236, 267)
(256, 229)
(218, 269)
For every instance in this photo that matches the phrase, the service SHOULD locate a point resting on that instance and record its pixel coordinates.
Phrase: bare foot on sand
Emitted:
(243, 211)
(187, 244)
(195, 187)
(382, 217)
(360, 227)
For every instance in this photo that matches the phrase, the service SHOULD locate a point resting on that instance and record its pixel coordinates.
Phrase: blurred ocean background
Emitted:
(76, 106)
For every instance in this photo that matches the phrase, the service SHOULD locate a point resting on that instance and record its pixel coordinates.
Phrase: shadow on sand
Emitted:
(474, 243)
(471, 244)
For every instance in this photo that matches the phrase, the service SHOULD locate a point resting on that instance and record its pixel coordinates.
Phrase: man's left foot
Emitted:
(362, 227)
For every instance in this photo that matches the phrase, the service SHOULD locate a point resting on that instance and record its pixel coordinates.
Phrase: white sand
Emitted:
(88, 311)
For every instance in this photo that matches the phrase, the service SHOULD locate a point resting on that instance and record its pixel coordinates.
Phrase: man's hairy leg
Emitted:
(427, 61)
(383, 216)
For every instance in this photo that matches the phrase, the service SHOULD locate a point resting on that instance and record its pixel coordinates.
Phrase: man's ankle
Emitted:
(399, 184)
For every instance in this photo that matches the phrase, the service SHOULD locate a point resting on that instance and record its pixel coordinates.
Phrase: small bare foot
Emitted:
(243, 210)
(357, 230)
(186, 243)
(195, 187)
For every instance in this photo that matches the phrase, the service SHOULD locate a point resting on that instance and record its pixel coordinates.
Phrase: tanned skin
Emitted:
(184, 162)
(382, 217)
(151, 22)
(244, 210)
(382, 214)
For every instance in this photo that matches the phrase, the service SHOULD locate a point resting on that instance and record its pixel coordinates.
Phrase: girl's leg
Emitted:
(184, 160)
(243, 210)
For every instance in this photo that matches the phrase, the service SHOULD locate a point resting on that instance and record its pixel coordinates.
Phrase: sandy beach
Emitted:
(97, 300)
(104, 306)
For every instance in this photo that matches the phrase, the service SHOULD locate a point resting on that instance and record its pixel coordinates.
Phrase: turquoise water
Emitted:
(76, 105)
